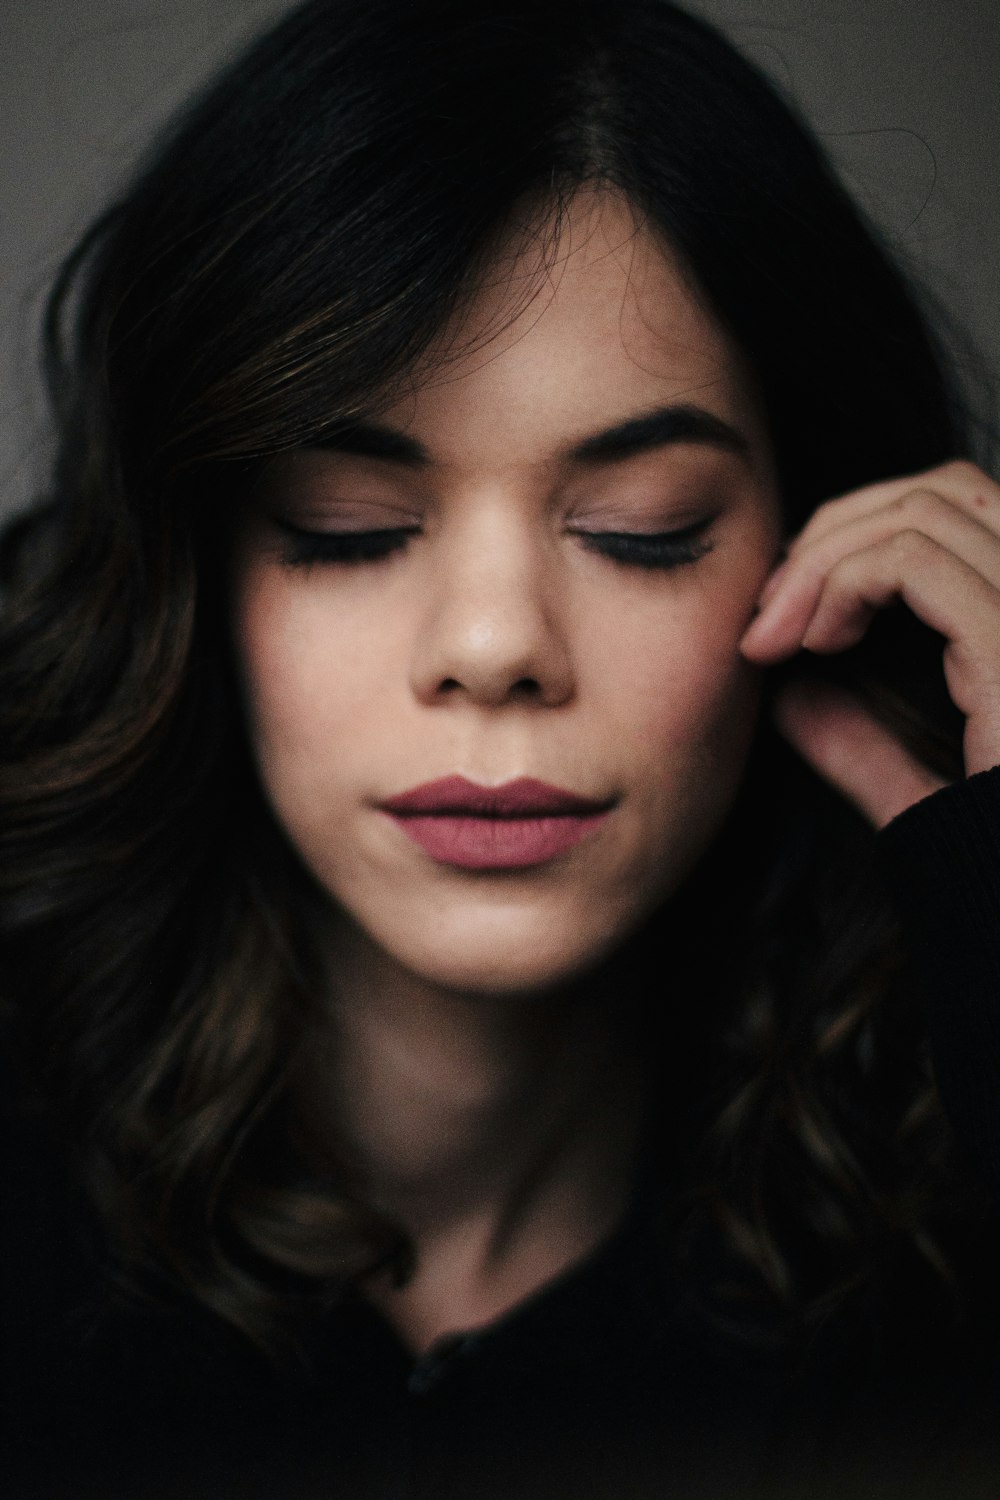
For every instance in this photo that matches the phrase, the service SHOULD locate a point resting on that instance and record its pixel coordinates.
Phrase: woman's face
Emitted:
(579, 513)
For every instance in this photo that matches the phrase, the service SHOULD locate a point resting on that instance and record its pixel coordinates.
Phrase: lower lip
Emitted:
(477, 843)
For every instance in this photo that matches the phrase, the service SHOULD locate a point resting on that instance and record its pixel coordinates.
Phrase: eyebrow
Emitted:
(658, 428)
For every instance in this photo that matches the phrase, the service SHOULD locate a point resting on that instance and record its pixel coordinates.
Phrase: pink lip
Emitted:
(522, 823)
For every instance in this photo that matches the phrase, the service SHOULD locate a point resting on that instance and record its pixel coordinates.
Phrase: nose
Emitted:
(493, 629)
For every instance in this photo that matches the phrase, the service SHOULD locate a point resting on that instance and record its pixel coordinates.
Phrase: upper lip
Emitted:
(523, 798)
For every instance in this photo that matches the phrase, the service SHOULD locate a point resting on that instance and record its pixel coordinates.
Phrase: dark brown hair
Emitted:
(286, 255)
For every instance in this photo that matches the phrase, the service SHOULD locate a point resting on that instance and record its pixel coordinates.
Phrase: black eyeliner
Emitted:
(341, 546)
(653, 549)
(662, 550)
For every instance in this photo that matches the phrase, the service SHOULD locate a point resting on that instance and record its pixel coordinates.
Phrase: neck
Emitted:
(498, 1130)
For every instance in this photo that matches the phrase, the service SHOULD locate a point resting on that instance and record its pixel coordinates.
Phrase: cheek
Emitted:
(686, 710)
(307, 677)
(291, 712)
(701, 708)
(681, 692)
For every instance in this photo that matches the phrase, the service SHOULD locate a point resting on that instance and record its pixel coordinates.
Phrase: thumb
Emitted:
(838, 736)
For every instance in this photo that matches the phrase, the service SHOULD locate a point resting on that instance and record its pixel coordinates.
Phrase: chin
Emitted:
(498, 974)
(525, 959)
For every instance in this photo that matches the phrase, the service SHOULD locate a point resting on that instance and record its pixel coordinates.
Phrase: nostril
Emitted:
(524, 688)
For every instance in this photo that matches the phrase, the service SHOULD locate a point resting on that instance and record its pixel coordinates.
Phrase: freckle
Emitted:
(980, 502)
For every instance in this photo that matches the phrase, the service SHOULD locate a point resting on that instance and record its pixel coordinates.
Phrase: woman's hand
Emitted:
(932, 541)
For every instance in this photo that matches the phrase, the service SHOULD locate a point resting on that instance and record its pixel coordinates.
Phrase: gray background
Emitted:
(904, 93)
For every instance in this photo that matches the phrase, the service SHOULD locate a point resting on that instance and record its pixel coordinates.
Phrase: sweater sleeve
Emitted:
(941, 861)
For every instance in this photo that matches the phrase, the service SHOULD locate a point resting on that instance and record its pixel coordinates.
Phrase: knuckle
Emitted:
(918, 506)
(847, 574)
(962, 469)
(911, 546)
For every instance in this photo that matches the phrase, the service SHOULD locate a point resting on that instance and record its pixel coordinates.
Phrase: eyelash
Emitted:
(651, 550)
(307, 547)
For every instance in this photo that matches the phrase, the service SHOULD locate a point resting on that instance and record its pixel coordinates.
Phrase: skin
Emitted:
(481, 1085)
(497, 645)
(466, 1059)
(931, 540)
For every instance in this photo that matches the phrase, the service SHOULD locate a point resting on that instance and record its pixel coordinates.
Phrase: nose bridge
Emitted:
(492, 626)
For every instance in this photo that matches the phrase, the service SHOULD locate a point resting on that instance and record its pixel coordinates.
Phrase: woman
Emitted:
(462, 1049)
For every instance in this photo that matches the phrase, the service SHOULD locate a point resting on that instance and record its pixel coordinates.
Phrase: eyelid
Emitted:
(679, 530)
(661, 551)
(350, 516)
(636, 548)
(297, 529)
(303, 548)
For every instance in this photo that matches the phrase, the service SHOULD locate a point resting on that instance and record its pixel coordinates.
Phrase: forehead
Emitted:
(589, 319)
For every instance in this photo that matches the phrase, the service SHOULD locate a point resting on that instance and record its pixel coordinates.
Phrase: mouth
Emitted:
(513, 826)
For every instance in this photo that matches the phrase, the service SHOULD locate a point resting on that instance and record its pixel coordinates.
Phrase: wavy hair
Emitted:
(282, 261)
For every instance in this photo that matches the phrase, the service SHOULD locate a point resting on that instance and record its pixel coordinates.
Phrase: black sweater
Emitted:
(606, 1385)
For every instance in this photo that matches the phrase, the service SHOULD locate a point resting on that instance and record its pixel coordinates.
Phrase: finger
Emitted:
(848, 747)
(962, 483)
(792, 596)
(950, 597)
(944, 591)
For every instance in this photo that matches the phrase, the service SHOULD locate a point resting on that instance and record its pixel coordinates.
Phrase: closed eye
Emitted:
(641, 549)
(305, 547)
(652, 549)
